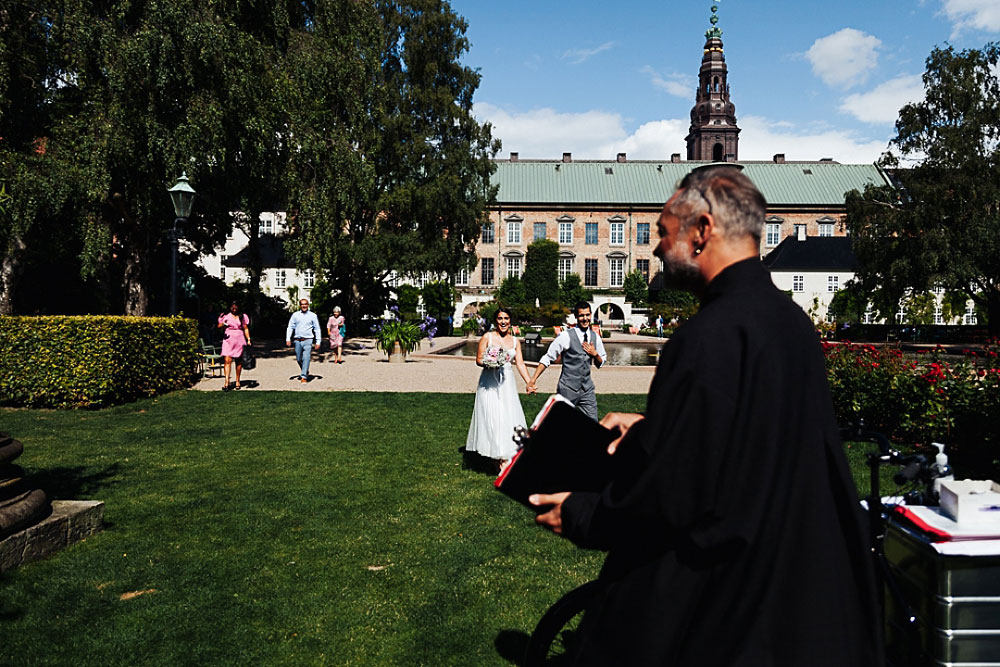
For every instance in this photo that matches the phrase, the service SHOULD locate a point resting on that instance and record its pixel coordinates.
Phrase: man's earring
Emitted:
(697, 251)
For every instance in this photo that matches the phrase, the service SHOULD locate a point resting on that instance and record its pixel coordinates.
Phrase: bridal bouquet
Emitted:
(496, 357)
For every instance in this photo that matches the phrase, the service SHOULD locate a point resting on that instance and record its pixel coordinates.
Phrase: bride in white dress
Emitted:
(498, 407)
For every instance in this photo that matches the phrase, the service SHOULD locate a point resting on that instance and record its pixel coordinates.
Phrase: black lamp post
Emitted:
(182, 196)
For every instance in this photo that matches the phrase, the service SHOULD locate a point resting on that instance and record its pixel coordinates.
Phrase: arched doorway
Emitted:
(718, 153)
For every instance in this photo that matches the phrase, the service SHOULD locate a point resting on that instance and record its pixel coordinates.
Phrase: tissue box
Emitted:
(971, 500)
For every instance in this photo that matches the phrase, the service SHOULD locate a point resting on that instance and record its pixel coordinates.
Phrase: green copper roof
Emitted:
(714, 31)
(651, 183)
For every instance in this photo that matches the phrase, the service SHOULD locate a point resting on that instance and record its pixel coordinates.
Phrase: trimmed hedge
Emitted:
(94, 361)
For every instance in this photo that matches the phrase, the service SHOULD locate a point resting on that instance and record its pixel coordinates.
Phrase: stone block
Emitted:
(69, 522)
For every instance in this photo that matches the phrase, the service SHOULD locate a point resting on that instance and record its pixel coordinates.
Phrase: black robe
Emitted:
(733, 527)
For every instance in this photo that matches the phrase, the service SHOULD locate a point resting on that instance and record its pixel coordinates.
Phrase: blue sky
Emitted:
(809, 79)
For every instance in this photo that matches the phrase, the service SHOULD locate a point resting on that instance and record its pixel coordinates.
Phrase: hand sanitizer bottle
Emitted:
(941, 467)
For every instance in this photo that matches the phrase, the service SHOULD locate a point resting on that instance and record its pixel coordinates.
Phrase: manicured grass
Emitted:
(282, 528)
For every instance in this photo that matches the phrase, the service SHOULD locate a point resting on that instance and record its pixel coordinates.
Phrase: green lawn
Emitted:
(281, 528)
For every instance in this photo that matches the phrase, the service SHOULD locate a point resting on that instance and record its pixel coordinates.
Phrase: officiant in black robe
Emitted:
(732, 527)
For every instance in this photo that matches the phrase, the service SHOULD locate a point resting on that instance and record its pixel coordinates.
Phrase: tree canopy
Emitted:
(541, 272)
(939, 225)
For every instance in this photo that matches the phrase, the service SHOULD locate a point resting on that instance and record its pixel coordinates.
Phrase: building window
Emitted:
(309, 278)
(591, 233)
(513, 267)
(938, 318)
(642, 266)
(590, 272)
(565, 267)
(642, 233)
(826, 229)
(869, 316)
(222, 267)
(800, 229)
(798, 284)
(970, 314)
(832, 283)
(617, 271)
(487, 236)
(514, 233)
(565, 233)
(279, 278)
(773, 233)
(487, 264)
(539, 231)
(617, 233)
(266, 226)
(463, 277)
(830, 317)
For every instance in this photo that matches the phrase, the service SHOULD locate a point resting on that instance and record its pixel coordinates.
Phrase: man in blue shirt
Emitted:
(303, 328)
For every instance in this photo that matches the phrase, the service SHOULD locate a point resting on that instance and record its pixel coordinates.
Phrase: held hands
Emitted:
(530, 388)
(553, 518)
(622, 421)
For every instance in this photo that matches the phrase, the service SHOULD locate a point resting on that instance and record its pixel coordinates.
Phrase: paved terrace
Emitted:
(367, 369)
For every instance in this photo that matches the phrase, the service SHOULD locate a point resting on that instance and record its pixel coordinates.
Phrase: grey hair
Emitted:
(336, 309)
(735, 202)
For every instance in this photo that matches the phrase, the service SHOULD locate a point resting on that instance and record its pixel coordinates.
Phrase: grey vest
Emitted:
(575, 378)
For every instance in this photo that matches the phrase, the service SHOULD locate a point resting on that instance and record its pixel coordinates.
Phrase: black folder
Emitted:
(566, 451)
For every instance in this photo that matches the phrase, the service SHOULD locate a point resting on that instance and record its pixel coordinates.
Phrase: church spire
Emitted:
(713, 135)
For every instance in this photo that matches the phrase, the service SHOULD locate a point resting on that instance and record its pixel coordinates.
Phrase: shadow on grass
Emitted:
(511, 645)
(477, 462)
(72, 483)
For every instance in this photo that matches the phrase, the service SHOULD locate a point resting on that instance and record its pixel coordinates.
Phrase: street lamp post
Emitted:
(182, 197)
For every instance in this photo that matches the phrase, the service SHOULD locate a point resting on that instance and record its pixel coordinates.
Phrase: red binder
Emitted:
(566, 451)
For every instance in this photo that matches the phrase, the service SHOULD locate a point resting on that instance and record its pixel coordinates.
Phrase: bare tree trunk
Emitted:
(136, 296)
(10, 271)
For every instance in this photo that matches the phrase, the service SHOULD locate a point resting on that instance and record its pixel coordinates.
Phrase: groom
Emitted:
(579, 347)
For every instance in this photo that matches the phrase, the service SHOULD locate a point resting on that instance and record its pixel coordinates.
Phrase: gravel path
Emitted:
(366, 369)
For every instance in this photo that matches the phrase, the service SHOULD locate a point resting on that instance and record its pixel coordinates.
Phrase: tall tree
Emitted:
(391, 170)
(940, 227)
(541, 272)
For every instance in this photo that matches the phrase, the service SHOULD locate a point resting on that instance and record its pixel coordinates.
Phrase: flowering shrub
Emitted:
(925, 398)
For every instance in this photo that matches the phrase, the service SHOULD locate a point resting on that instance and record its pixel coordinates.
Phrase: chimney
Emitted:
(513, 157)
(800, 232)
(826, 159)
(675, 157)
(567, 157)
(779, 158)
(621, 157)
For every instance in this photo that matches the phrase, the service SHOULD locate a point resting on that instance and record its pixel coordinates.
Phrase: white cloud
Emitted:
(761, 138)
(599, 135)
(845, 58)
(973, 15)
(577, 56)
(678, 85)
(882, 103)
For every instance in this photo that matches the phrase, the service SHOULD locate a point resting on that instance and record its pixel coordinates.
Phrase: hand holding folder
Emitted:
(565, 450)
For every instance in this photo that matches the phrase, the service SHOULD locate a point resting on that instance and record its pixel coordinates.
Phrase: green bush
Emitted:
(93, 361)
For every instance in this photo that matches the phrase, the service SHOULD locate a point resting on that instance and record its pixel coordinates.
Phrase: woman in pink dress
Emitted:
(335, 328)
(235, 327)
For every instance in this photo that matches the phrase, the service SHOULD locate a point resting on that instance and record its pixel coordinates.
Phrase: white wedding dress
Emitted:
(497, 411)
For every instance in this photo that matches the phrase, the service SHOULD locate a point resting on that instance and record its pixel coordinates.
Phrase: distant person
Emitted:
(304, 330)
(336, 329)
(659, 326)
(580, 348)
(731, 521)
(235, 325)
(498, 407)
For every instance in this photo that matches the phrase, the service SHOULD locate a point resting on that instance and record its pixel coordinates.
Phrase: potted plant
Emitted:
(397, 339)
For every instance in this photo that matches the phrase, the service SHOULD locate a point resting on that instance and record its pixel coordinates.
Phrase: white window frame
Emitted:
(617, 233)
(463, 277)
(616, 271)
(266, 225)
(773, 234)
(565, 233)
(565, 267)
(825, 229)
(280, 279)
(832, 284)
(514, 266)
(798, 283)
(513, 233)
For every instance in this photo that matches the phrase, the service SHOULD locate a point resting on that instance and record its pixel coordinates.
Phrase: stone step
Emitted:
(70, 522)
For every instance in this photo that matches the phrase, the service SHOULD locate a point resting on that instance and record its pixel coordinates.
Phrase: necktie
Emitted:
(585, 336)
